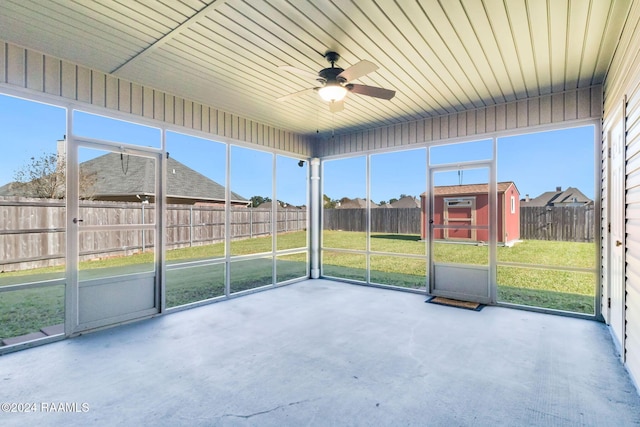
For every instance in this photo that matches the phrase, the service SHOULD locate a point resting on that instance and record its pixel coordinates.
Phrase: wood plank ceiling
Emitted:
(441, 56)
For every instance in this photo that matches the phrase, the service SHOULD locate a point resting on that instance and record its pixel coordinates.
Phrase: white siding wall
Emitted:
(567, 106)
(37, 72)
(623, 79)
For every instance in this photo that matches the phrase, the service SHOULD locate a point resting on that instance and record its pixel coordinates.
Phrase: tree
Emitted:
(45, 177)
(258, 200)
(328, 203)
(393, 199)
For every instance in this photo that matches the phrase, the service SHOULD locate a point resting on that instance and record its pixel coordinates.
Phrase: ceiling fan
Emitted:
(336, 82)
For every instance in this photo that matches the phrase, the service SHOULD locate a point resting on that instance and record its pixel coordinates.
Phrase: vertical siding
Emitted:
(84, 85)
(98, 89)
(148, 103)
(3, 56)
(15, 66)
(632, 214)
(623, 79)
(35, 79)
(31, 70)
(51, 76)
(567, 106)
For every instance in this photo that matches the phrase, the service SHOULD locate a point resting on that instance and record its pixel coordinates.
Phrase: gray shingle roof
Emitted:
(406, 202)
(554, 198)
(356, 203)
(133, 175)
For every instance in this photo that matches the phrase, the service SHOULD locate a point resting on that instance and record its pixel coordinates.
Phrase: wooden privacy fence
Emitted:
(383, 220)
(32, 231)
(563, 223)
(189, 225)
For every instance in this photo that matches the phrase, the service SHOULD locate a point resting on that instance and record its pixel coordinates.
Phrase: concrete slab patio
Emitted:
(322, 353)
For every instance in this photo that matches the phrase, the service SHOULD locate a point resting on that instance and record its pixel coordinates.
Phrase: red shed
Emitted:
(469, 205)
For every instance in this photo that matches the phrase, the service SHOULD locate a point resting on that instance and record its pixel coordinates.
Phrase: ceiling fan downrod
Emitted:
(332, 57)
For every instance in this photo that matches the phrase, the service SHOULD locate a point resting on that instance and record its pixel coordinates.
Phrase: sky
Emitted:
(536, 162)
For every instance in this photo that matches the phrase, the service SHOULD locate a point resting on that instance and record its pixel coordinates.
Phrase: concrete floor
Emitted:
(322, 353)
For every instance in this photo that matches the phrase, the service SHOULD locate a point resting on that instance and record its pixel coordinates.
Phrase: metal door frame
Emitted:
(72, 309)
(491, 226)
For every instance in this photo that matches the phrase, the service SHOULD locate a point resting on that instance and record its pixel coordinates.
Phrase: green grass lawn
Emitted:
(561, 290)
(27, 311)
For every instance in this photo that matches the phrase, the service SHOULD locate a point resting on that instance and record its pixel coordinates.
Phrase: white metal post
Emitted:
(160, 234)
(315, 211)
(493, 223)
(227, 224)
(72, 247)
(367, 211)
(274, 219)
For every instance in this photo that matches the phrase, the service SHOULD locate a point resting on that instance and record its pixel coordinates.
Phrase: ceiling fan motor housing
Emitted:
(330, 75)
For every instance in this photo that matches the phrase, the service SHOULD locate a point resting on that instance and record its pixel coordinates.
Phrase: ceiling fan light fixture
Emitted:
(337, 82)
(332, 93)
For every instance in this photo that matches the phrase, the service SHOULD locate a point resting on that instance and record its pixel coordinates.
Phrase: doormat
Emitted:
(455, 303)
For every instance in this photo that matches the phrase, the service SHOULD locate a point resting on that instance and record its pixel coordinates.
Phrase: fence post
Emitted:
(250, 222)
(144, 237)
(191, 225)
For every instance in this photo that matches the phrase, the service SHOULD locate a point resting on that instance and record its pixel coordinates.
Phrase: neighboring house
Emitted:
(467, 205)
(406, 202)
(281, 206)
(356, 203)
(130, 178)
(267, 206)
(385, 206)
(569, 197)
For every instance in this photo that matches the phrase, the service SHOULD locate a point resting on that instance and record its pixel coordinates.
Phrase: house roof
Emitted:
(134, 175)
(268, 205)
(406, 202)
(559, 197)
(440, 57)
(385, 206)
(457, 190)
(356, 203)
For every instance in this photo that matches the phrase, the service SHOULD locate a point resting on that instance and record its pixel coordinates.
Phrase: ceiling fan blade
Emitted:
(295, 94)
(376, 92)
(294, 70)
(358, 70)
(336, 106)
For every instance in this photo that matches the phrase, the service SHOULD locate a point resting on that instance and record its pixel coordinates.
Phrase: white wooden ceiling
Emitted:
(441, 56)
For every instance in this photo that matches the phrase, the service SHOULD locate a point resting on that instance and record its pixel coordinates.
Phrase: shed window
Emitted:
(513, 204)
(459, 202)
